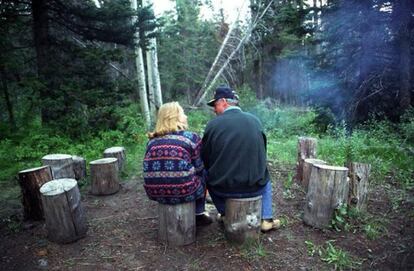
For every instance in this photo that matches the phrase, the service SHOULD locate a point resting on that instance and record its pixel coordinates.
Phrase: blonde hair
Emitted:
(169, 120)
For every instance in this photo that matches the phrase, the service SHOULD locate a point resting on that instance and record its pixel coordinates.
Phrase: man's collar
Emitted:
(232, 107)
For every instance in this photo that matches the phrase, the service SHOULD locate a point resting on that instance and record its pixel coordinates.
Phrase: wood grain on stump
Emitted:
(64, 215)
(176, 224)
(328, 190)
(242, 219)
(104, 176)
(30, 181)
(61, 164)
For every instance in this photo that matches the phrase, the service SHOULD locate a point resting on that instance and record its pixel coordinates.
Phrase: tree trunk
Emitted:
(118, 153)
(151, 88)
(306, 149)
(176, 224)
(243, 218)
(30, 181)
(79, 167)
(42, 46)
(328, 190)
(358, 185)
(307, 170)
(64, 215)
(404, 15)
(9, 104)
(61, 164)
(104, 176)
(139, 62)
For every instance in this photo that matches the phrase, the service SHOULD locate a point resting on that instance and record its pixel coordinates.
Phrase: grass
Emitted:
(337, 258)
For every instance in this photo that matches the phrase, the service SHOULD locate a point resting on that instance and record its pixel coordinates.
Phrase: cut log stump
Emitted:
(358, 185)
(306, 149)
(118, 153)
(307, 169)
(79, 167)
(176, 224)
(104, 176)
(61, 164)
(30, 181)
(328, 190)
(242, 219)
(64, 215)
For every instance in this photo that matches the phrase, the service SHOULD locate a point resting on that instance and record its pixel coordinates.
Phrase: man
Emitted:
(234, 155)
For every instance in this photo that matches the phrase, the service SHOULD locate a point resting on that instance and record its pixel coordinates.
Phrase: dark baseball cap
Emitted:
(223, 92)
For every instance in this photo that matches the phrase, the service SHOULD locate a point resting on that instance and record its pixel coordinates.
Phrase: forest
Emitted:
(79, 77)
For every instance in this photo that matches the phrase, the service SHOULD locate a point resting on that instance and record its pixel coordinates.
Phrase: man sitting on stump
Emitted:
(234, 155)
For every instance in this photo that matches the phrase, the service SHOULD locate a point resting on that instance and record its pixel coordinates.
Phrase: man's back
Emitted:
(234, 152)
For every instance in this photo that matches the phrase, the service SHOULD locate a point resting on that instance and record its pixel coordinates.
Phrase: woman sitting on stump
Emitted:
(173, 169)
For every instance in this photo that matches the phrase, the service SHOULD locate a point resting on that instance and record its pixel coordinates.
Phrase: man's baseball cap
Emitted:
(223, 92)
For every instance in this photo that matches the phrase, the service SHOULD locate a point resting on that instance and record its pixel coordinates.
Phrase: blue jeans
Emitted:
(219, 200)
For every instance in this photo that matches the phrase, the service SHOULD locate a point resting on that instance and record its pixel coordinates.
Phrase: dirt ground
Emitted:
(122, 235)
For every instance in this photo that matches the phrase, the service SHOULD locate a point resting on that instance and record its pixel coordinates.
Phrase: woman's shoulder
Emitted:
(190, 135)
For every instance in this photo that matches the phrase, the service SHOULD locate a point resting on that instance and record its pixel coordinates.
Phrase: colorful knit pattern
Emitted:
(173, 169)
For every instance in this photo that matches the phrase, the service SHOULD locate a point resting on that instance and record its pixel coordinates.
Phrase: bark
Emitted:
(42, 46)
(79, 167)
(104, 176)
(307, 170)
(118, 153)
(358, 186)
(306, 149)
(61, 165)
(9, 104)
(30, 181)
(64, 214)
(243, 218)
(328, 190)
(176, 224)
(404, 15)
(139, 62)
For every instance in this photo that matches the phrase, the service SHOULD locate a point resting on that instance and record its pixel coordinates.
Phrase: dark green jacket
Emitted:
(234, 153)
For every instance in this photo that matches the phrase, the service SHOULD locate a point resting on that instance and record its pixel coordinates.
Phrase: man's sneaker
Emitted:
(203, 220)
(269, 224)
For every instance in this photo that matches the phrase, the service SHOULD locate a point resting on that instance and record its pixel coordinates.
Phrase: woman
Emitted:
(173, 169)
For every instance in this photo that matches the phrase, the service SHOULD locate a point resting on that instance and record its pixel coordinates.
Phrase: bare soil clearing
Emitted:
(122, 235)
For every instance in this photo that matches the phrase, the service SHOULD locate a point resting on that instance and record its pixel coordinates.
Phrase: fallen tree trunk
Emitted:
(328, 190)
(30, 181)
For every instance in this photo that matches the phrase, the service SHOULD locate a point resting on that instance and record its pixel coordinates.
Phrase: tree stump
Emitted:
(307, 169)
(118, 153)
(104, 176)
(79, 167)
(306, 149)
(243, 218)
(176, 224)
(30, 181)
(328, 190)
(61, 164)
(358, 186)
(64, 215)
